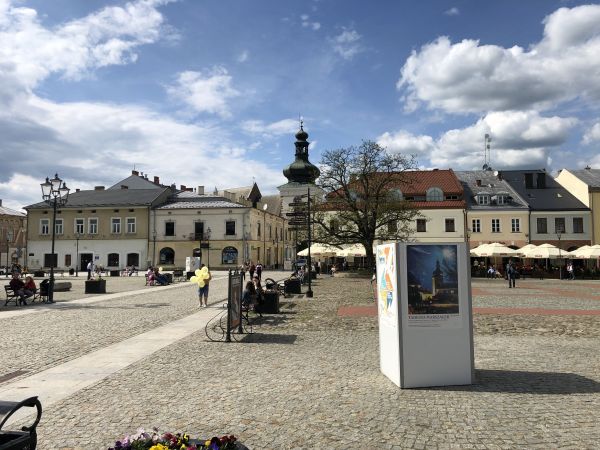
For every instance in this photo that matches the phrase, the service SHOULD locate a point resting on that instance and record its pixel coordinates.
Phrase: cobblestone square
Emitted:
(308, 377)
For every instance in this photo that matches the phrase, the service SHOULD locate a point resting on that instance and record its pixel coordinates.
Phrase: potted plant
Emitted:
(96, 285)
(155, 440)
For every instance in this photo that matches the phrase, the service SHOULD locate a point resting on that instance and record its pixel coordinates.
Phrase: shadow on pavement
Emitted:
(258, 338)
(523, 382)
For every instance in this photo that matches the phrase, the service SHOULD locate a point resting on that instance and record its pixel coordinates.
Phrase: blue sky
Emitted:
(209, 92)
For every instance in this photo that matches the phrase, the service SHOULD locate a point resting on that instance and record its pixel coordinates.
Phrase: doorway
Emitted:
(84, 259)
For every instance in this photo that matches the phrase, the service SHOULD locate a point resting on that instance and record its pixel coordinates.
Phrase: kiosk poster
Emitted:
(432, 280)
(387, 291)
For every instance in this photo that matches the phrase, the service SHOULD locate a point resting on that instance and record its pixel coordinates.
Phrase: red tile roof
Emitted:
(446, 204)
(418, 181)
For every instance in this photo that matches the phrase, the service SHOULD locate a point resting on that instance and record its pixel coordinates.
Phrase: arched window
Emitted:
(133, 259)
(396, 195)
(166, 256)
(113, 260)
(229, 255)
(435, 194)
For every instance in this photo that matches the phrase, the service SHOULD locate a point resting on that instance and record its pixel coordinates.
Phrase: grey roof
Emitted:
(191, 200)
(10, 212)
(591, 177)
(108, 197)
(490, 184)
(273, 203)
(553, 197)
(136, 182)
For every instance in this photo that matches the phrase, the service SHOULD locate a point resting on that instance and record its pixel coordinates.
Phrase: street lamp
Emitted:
(207, 237)
(265, 206)
(558, 235)
(77, 236)
(9, 236)
(154, 248)
(55, 193)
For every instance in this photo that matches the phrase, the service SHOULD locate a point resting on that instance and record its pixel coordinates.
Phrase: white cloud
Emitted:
(205, 92)
(347, 44)
(454, 11)
(469, 77)
(592, 135)
(519, 139)
(281, 127)
(306, 23)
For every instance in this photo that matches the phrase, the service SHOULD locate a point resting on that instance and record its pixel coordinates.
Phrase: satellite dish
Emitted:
(495, 173)
(485, 167)
(265, 206)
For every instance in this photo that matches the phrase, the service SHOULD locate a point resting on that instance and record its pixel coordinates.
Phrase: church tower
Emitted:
(301, 174)
(437, 279)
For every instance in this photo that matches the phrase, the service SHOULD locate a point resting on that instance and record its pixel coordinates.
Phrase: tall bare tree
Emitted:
(363, 202)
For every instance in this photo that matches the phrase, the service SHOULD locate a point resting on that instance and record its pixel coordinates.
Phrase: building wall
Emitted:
(575, 186)
(595, 207)
(12, 250)
(569, 239)
(99, 244)
(505, 236)
(436, 223)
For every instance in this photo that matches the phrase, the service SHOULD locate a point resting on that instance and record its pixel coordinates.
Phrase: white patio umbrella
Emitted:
(496, 249)
(546, 251)
(523, 250)
(586, 252)
(354, 250)
(477, 250)
(319, 250)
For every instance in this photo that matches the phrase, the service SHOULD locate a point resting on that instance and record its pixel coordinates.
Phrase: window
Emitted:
(476, 226)
(113, 260)
(434, 194)
(93, 226)
(131, 228)
(559, 225)
(542, 225)
(451, 197)
(495, 225)
(450, 226)
(166, 256)
(115, 226)
(515, 225)
(483, 199)
(258, 229)
(50, 260)
(577, 224)
(169, 228)
(45, 226)
(392, 227)
(67, 260)
(230, 228)
(133, 259)
(421, 225)
(79, 226)
(198, 230)
(270, 232)
(396, 195)
(58, 226)
(501, 199)
(229, 255)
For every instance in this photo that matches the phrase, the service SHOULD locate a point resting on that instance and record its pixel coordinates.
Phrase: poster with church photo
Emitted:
(433, 288)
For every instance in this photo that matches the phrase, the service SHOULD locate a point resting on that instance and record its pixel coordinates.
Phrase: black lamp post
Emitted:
(265, 206)
(77, 236)
(207, 237)
(309, 292)
(9, 236)
(154, 248)
(55, 193)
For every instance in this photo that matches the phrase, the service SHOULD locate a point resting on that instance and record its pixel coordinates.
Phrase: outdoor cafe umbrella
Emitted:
(476, 251)
(586, 252)
(546, 251)
(523, 250)
(319, 250)
(496, 249)
(354, 250)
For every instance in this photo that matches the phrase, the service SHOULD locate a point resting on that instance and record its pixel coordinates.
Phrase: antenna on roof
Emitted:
(487, 152)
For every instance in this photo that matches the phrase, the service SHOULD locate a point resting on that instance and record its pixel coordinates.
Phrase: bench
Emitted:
(10, 296)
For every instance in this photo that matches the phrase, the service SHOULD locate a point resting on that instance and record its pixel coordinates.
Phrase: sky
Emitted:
(210, 92)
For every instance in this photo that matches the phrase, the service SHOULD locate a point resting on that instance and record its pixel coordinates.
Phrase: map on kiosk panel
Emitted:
(432, 279)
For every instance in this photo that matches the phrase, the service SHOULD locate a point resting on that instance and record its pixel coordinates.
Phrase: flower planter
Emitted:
(95, 287)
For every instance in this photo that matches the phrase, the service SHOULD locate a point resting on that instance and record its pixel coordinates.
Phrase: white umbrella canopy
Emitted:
(546, 251)
(319, 250)
(477, 250)
(586, 252)
(354, 250)
(523, 250)
(497, 249)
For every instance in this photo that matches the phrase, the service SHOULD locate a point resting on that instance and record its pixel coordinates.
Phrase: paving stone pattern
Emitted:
(310, 379)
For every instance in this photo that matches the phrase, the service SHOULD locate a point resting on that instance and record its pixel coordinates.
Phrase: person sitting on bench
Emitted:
(18, 288)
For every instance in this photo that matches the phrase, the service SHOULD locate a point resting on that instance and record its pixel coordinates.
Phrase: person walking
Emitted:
(203, 290)
(90, 269)
(570, 271)
(251, 270)
(259, 269)
(511, 274)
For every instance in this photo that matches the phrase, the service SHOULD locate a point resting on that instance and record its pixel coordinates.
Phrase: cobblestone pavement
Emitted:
(308, 378)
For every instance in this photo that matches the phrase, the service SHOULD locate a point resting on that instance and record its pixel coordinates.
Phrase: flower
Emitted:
(154, 440)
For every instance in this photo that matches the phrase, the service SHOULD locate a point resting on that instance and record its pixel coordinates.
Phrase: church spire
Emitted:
(301, 170)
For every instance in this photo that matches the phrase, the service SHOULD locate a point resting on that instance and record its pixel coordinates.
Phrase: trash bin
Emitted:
(115, 273)
(270, 302)
(189, 275)
(169, 277)
(26, 439)
(292, 286)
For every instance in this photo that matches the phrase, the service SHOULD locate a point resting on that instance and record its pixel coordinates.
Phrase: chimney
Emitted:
(156, 180)
(76, 189)
(123, 186)
(98, 188)
(477, 182)
(499, 175)
(0, 202)
(200, 190)
(134, 172)
(182, 187)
